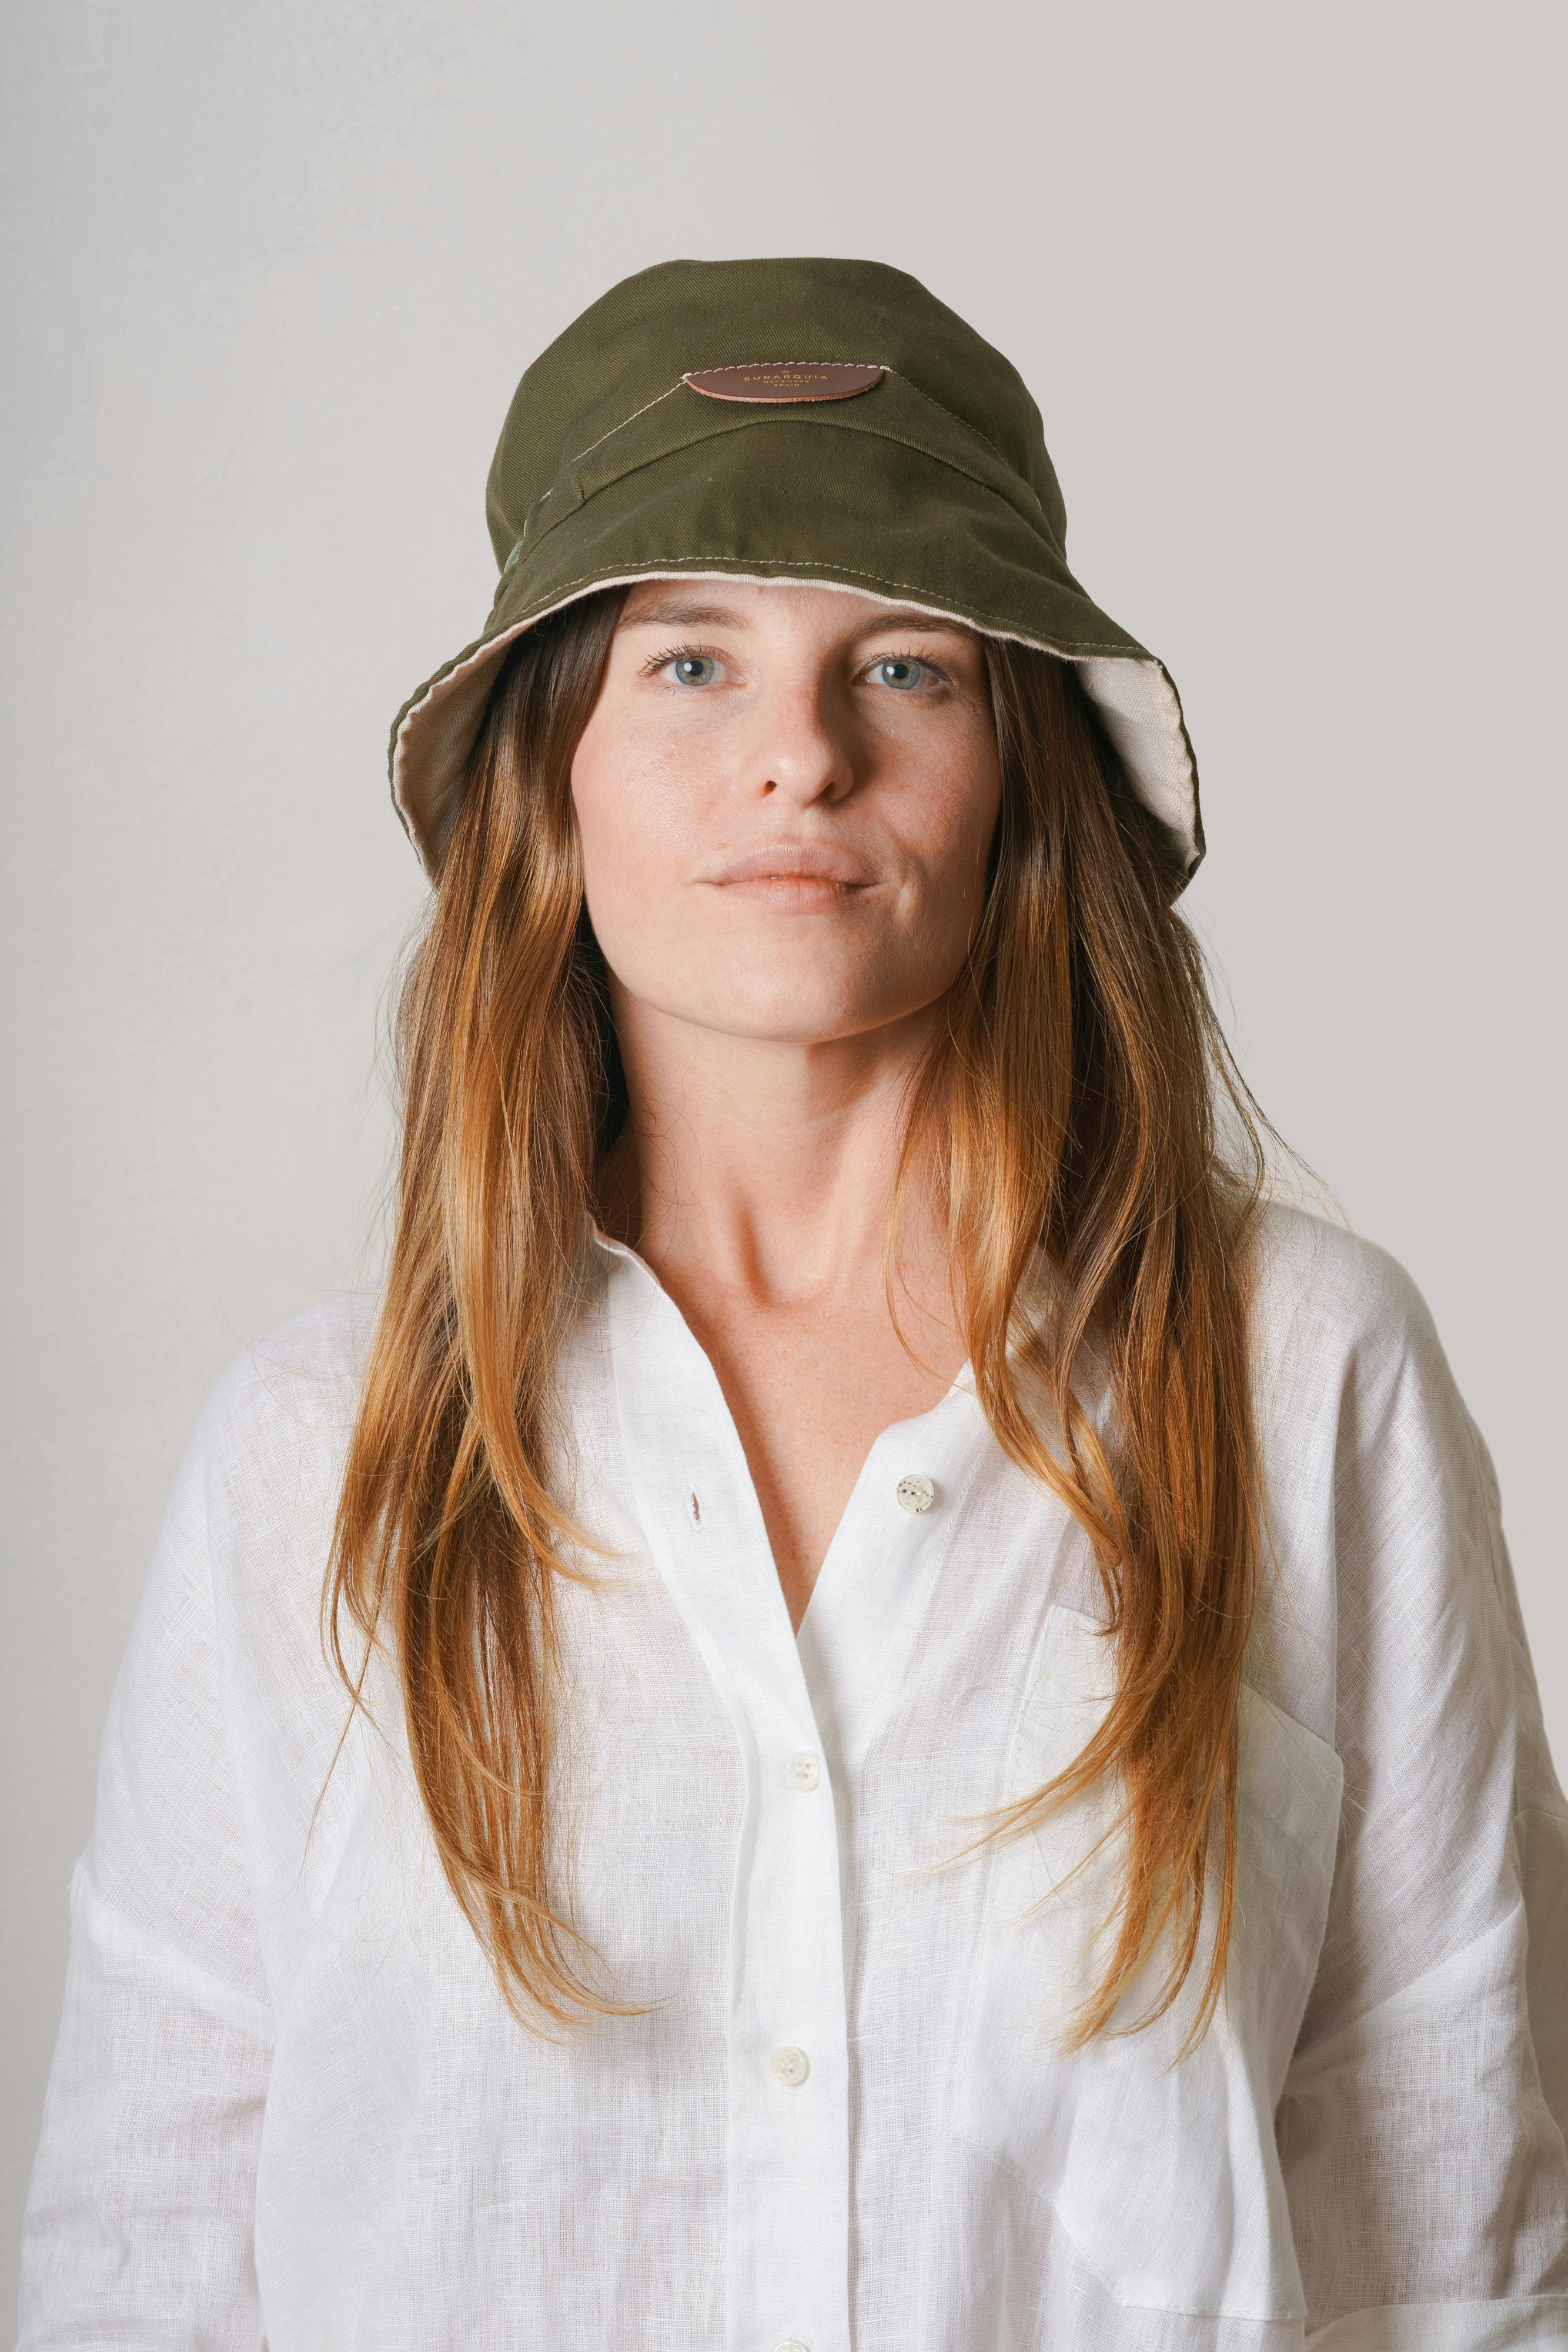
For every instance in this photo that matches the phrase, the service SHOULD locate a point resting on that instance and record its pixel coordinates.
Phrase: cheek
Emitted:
(631, 824)
(952, 830)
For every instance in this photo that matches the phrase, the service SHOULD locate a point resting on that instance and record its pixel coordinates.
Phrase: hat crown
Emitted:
(633, 346)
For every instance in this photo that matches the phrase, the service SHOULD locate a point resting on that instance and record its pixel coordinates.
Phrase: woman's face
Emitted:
(785, 796)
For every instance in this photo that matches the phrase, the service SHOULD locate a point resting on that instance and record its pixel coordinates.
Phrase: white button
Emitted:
(790, 2067)
(793, 2344)
(802, 1771)
(916, 1493)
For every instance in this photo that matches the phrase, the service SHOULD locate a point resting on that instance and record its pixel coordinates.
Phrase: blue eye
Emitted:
(901, 672)
(693, 669)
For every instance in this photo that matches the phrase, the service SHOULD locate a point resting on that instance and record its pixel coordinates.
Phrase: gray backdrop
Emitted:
(1276, 277)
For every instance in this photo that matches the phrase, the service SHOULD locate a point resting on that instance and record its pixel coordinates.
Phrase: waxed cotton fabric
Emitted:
(933, 488)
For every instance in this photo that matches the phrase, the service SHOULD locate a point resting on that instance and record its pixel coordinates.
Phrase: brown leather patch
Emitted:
(784, 380)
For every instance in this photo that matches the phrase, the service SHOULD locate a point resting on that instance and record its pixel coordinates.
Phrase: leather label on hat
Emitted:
(784, 380)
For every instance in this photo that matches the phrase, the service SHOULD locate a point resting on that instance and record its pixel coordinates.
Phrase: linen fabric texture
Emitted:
(933, 488)
(288, 2107)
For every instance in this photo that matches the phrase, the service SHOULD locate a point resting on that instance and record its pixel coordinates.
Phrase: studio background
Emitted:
(1278, 279)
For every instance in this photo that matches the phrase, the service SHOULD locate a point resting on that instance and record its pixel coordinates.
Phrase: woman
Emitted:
(938, 1750)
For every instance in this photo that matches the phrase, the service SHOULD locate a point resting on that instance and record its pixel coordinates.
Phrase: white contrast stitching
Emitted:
(748, 367)
(739, 367)
(952, 413)
(743, 367)
(625, 421)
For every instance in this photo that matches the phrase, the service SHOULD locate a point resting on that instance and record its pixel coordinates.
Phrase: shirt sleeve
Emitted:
(140, 2223)
(1422, 2123)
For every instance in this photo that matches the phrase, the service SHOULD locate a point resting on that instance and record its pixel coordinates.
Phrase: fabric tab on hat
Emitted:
(784, 380)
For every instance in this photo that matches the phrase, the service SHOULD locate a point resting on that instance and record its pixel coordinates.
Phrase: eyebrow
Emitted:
(676, 614)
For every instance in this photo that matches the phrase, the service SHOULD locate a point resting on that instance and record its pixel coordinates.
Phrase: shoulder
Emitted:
(1355, 1390)
(1382, 1505)
(1321, 1291)
(258, 1496)
(1349, 1374)
(278, 1421)
(306, 1372)
(229, 1612)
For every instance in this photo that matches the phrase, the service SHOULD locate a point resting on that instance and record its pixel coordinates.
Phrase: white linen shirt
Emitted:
(288, 2107)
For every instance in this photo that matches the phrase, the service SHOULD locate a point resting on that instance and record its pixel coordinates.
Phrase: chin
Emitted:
(787, 1014)
(800, 999)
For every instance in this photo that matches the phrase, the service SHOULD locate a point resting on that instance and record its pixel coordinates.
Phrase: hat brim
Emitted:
(950, 548)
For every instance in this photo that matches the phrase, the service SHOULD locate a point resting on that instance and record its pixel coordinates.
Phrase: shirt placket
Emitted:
(786, 2285)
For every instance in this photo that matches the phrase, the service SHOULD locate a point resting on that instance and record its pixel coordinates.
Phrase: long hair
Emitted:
(1078, 1100)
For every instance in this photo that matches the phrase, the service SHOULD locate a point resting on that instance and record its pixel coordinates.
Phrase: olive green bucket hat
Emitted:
(818, 421)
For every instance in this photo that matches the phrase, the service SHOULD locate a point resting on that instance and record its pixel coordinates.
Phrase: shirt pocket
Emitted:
(1163, 2173)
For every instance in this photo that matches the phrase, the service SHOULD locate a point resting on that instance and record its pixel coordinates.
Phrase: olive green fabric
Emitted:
(934, 489)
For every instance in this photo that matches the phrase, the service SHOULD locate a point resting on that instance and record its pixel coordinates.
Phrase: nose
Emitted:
(799, 749)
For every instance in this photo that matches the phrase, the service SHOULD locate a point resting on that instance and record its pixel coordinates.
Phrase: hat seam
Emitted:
(887, 368)
(942, 410)
(615, 429)
(739, 366)
(1037, 524)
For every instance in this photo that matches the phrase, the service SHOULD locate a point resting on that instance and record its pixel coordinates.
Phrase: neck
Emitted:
(764, 1170)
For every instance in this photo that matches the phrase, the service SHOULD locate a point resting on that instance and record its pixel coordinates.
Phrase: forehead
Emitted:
(755, 606)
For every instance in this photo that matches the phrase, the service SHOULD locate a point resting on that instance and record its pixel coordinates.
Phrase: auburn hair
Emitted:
(1079, 1098)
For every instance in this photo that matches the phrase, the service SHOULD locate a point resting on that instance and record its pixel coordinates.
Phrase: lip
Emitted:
(794, 877)
(793, 861)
